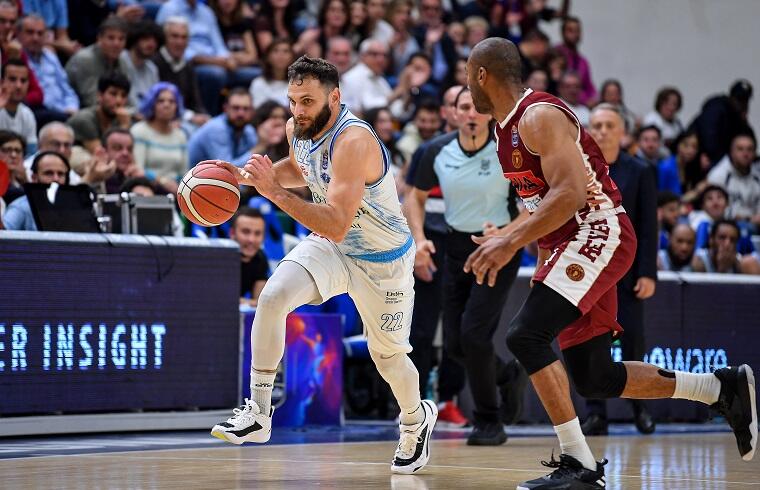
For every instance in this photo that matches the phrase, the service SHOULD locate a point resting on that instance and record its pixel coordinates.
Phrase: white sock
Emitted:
(573, 442)
(703, 388)
(412, 417)
(261, 390)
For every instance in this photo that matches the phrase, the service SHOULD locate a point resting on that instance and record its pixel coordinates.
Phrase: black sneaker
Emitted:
(569, 475)
(595, 425)
(487, 434)
(737, 404)
(512, 388)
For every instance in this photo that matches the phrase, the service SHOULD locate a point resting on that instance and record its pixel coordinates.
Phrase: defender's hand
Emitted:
(493, 253)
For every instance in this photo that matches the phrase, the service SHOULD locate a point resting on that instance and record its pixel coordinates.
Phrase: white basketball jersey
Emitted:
(379, 232)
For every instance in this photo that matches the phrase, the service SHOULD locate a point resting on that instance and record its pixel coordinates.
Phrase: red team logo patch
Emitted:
(575, 272)
(525, 183)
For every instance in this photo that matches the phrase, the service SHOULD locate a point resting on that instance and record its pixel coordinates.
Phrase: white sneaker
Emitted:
(413, 451)
(247, 424)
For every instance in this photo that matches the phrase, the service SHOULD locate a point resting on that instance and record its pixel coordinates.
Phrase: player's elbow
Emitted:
(340, 232)
(575, 197)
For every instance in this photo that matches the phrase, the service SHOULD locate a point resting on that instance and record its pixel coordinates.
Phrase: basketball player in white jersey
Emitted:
(360, 244)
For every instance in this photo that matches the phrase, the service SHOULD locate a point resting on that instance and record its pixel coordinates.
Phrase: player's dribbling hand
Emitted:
(493, 253)
(261, 169)
(424, 267)
(243, 177)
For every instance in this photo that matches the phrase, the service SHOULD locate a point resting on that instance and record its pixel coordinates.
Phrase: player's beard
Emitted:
(308, 132)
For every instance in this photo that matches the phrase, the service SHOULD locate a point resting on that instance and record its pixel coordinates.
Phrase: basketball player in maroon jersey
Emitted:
(586, 244)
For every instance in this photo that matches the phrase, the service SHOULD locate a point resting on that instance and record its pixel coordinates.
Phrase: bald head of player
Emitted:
(494, 76)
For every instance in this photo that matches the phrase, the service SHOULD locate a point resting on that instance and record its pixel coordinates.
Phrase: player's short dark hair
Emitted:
(113, 22)
(316, 68)
(724, 221)
(113, 79)
(501, 59)
(39, 156)
(664, 94)
(666, 197)
(13, 62)
(650, 127)
(141, 30)
(246, 211)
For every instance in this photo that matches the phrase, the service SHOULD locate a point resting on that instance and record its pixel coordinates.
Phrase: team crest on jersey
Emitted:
(517, 159)
(325, 157)
(575, 272)
(515, 138)
(325, 178)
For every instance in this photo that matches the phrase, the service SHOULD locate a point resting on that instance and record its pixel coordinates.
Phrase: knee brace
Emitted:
(544, 314)
(530, 344)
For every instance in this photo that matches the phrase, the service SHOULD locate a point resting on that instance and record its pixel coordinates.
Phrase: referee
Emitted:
(477, 197)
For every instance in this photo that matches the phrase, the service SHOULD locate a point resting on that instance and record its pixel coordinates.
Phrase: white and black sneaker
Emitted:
(737, 403)
(247, 424)
(413, 451)
(569, 474)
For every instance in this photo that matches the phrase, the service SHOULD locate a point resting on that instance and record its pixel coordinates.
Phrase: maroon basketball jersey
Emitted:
(523, 168)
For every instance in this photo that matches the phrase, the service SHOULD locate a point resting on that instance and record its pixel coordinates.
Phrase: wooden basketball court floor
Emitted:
(662, 461)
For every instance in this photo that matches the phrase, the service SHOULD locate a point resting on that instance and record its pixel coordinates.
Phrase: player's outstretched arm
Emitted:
(548, 132)
(286, 171)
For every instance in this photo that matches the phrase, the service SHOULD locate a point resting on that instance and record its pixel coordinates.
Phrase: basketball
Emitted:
(208, 195)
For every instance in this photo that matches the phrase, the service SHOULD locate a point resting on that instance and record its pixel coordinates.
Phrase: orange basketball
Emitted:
(208, 195)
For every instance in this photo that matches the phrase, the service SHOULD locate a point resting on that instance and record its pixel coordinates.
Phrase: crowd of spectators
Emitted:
(146, 89)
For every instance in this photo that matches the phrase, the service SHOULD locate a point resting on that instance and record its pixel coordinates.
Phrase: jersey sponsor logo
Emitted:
(394, 297)
(517, 159)
(526, 183)
(596, 240)
(325, 177)
(575, 272)
(515, 137)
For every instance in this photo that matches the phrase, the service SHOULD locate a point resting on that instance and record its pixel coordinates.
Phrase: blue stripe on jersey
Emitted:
(388, 256)
(315, 146)
(383, 150)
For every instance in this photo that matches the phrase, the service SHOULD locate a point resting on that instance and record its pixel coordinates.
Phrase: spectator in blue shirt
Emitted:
(214, 66)
(55, 14)
(228, 136)
(47, 167)
(682, 172)
(60, 101)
